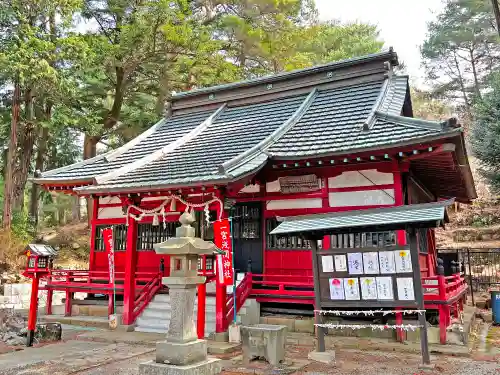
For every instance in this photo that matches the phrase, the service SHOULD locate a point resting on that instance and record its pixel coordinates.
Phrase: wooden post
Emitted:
(130, 267)
(419, 296)
(111, 306)
(67, 303)
(48, 306)
(220, 303)
(320, 331)
(400, 334)
(202, 296)
(33, 310)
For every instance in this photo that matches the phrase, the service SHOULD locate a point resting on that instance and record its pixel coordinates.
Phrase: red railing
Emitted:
(146, 294)
(443, 288)
(243, 290)
(292, 288)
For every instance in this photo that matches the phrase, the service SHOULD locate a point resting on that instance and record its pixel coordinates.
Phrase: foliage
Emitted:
(461, 50)
(486, 132)
(427, 107)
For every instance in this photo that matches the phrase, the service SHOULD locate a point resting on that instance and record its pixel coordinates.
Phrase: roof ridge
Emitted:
(127, 146)
(271, 138)
(411, 121)
(161, 152)
(370, 120)
(388, 55)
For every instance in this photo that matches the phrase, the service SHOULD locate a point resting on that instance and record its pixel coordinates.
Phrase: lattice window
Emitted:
(361, 240)
(148, 234)
(423, 244)
(119, 237)
(42, 262)
(285, 242)
(246, 222)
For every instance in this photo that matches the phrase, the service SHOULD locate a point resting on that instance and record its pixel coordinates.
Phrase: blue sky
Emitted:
(402, 23)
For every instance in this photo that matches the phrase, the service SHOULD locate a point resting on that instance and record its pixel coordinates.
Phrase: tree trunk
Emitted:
(474, 73)
(496, 10)
(75, 209)
(9, 168)
(25, 153)
(39, 164)
(462, 86)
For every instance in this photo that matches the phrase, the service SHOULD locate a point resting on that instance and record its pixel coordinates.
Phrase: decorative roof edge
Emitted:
(368, 124)
(434, 137)
(163, 151)
(389, 55)
(271, 138)
(411, 121)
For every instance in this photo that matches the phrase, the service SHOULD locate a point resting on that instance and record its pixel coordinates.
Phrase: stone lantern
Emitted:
(183, 352)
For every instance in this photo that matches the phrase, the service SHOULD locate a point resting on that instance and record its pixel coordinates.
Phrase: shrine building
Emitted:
(332, 138)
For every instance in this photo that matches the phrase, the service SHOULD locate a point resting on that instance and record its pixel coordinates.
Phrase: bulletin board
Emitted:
(367, 277)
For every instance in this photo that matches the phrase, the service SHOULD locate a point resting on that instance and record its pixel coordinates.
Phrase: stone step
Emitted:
(150, 330)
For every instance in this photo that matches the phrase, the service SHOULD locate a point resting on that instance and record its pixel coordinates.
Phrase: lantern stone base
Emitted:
(210, 366)
(181, 354)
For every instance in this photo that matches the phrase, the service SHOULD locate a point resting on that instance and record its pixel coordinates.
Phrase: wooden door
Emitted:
(247, 236)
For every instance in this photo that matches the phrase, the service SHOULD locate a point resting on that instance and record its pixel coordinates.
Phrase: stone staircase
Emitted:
(156, 316)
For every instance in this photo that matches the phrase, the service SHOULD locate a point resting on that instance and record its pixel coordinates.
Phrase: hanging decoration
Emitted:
(374, 327)
(172, 199)
(368, 312)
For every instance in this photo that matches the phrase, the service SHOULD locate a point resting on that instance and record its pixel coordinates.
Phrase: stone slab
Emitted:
(327, 357)
(181, 354)
(211, 366)
(264, 340)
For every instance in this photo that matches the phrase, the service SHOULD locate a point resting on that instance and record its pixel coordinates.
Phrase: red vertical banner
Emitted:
(222, 239)
(107, 235)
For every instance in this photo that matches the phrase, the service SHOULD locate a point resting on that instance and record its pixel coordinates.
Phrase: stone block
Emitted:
(252, 313)
(211, 366)
(327, 357)
(181, 354)
(280, 321)
(304, 325)
(264, 340)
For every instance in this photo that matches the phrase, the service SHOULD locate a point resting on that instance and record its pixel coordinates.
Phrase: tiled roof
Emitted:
(165, 131)
(428, 213)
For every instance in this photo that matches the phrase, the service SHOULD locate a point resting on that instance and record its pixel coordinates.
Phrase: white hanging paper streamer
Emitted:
(374, 327)
(367, 312)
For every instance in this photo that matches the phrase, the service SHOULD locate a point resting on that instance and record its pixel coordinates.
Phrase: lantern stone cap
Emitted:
(180, 281)
(185, 242)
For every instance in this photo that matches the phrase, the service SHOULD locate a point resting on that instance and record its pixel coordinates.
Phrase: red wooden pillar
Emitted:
(202, 296)
(95, 210)
(130, 267)
(400, 334)
(33, 310)
(111, 306)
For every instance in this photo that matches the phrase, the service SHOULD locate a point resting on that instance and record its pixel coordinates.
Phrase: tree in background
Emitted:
(486, 132)
(461, 50)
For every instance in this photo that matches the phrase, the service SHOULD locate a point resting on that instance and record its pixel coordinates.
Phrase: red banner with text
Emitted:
(222, 239)
(107, 236)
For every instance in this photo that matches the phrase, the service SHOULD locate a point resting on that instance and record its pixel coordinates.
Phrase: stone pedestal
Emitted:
(182, 353)
(264, 340)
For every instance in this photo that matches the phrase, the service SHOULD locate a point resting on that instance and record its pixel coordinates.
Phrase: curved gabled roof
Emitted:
(337, 113)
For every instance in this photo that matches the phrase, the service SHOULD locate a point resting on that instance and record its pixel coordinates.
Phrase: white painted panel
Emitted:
(109, 200)
(361, 198)
(273, 186)
(286, 204)
(368, 177)
(251, 189)
(110, 213)
(159, 199)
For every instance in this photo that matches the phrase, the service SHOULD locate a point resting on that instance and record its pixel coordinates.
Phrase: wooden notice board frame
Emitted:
(409, 218)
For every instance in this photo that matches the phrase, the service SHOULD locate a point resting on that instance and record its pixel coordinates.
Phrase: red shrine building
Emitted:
(332, 138)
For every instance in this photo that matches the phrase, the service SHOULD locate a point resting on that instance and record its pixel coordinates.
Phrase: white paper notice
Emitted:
(403, 261)
(386, 259)
(368, 288)
(340, 263)
(405, 289)
(370, 263)
(355, 262)
(336, 289)
(384, 288)
(351, 289)
(327, 263)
